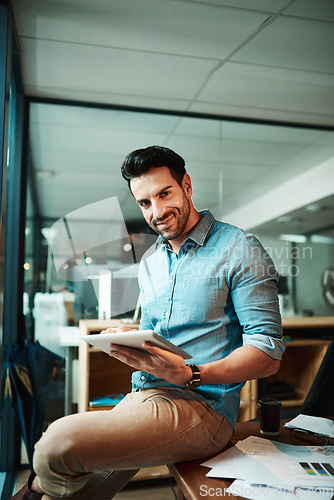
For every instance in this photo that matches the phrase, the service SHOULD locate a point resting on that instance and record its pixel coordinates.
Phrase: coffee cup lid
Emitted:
(269, 403)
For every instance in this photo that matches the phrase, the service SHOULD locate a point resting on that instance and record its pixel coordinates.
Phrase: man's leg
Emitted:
(85, 455)
(105, 483)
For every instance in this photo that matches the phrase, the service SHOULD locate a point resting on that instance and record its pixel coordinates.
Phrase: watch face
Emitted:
(195, 384)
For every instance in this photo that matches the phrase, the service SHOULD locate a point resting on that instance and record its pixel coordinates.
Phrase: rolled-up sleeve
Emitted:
(252, 278)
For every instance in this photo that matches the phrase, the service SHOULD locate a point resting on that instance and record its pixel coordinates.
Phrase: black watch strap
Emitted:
(195, 380)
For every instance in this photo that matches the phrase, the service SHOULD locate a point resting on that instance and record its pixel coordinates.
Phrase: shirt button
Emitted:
(170, 281)
(143, 377)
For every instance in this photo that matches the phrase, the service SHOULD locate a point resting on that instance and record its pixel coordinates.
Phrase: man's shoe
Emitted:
(25, 493)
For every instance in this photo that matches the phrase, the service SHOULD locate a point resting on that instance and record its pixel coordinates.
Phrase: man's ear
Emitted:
(186, 185)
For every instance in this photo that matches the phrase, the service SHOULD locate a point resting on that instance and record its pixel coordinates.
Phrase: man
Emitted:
(210, 289)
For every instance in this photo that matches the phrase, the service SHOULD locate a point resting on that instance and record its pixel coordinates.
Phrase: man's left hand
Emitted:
(158, 362)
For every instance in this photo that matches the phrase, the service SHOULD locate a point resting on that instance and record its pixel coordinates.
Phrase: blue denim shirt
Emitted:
(218, 294)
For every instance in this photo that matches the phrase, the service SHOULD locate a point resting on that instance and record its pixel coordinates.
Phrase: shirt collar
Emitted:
(200, 232)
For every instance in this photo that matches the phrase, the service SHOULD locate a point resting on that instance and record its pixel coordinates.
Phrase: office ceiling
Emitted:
(311, 219)
(243, 59)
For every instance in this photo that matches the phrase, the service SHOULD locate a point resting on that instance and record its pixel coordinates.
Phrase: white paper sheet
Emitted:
(319, 425)
(256, 491)
(276, 464)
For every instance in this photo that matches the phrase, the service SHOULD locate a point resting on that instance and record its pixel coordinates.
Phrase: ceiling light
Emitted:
(288, 219)
(318, 238)
(295, 238)
(314, 207)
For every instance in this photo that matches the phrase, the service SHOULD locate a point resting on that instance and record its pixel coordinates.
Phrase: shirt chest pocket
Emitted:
(199, 299)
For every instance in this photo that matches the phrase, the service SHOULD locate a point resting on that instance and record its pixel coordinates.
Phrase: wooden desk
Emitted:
(191, 476)
(309, 322)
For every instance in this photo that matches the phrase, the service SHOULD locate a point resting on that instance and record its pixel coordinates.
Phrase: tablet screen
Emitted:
(134, 339)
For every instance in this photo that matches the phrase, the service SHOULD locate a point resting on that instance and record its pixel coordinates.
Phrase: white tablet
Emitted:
(133, 338)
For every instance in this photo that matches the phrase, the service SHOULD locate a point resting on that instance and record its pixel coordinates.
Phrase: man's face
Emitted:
(164, 203)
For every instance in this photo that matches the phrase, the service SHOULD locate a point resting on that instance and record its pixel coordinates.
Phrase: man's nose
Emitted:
(158, 209)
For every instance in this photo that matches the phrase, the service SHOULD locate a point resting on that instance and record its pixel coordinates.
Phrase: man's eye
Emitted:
(165, 193)
(143, 204)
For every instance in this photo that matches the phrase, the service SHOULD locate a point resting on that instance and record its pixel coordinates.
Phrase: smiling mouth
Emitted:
(165, 222)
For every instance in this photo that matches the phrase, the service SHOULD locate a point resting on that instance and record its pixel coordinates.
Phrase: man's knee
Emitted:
(55, 450)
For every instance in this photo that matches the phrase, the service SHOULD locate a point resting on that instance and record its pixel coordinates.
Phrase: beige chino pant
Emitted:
(93, 455)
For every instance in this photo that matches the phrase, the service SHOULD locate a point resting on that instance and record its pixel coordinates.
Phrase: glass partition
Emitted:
(76, 153)
(12, 201)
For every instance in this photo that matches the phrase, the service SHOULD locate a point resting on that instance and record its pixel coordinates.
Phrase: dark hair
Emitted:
(141, 161)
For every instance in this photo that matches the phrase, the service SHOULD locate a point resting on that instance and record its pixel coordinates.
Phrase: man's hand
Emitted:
(158, 362)
(121, 328)
(245, 363)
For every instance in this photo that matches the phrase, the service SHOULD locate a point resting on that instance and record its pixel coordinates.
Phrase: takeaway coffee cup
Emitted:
(270, 416)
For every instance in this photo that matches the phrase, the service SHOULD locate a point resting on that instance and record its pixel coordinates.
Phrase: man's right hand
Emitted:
(120, 328)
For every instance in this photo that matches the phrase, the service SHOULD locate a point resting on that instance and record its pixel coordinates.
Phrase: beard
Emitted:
(179, 219)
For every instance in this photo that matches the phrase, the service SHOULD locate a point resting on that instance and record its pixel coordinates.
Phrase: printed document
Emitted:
(318, 425)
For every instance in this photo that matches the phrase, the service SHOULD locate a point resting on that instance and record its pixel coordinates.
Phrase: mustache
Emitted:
(161, 219)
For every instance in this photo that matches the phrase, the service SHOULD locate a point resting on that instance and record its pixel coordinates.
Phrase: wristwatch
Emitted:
(195, 380)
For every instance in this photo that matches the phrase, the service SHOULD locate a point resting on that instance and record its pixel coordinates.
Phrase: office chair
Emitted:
(319, 401)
